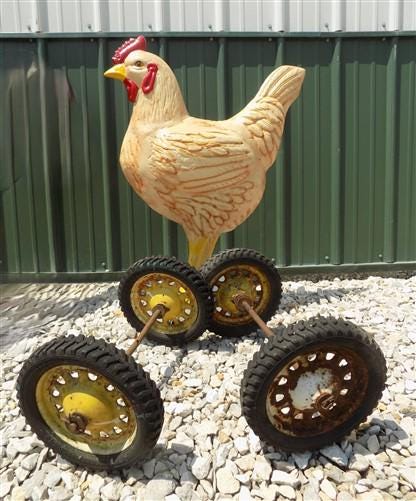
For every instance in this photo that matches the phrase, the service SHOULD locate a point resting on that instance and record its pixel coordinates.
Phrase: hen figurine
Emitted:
(206, 175)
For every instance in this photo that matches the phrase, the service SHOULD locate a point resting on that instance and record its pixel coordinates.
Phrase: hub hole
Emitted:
(143, 302)
(181, 320)
(182, 290)
(110, 387)
(294, 367)
(149, 312)
(221, 279)
(117, 430)
(172, 283)
(124, 418)
(282, 381)
(312, 357)
(343, 363)
(74, 374)
(92, 377)
(214, 288)
(218, 308)
(279, 397)
(121, 402)
(347, 377)
(59, 407)
(315, 415)
(103, 434)
(227, 314)
(87, 432)
(159, 320)
(55, 393)
(258, 288)
(344, 391)
(329, 356)
(299, 416)
(188, 311)
(285, 410)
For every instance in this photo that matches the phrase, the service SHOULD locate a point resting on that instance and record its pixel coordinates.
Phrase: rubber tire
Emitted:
(117, 367)
(244, 256)
(193, 279)
(292, 341)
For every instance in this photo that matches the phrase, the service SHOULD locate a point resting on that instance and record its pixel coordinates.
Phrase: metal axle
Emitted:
(157, 312)
(242, 301)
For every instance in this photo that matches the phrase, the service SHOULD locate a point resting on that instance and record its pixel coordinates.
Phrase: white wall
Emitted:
(56, 16)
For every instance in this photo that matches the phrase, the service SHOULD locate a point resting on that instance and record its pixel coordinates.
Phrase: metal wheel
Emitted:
(179, 288)
(89, 402)
(239, 272)
(312, 383)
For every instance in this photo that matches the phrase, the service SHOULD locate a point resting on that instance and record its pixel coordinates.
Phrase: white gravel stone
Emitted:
(328, 488)
(359, 463)
(244, 494)
(262, 469)
(335, 454)
(29, 462)
(159, 488)
(5, 488)
(201, 467)
(409, 474)
(245, 463)
(226, 482)
(53, 477)
(283, 478)
(241, 444)
(286, 491)
(373, 444)
(302, 459)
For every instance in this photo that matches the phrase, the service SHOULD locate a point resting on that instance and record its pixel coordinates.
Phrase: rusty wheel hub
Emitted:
(317, 391)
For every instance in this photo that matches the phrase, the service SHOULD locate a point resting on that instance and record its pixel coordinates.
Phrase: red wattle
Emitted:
(149, 79)
(131, 89)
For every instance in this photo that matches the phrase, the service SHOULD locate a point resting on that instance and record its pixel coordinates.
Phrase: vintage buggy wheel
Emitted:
(238, 272)
(178, 287)
(90, 402)
(312, 383)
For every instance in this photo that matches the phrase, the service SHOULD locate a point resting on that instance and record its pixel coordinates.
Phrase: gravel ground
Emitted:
(206, 450)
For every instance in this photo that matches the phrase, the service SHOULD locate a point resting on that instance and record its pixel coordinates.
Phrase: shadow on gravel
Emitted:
(302, 297)
(23, 313)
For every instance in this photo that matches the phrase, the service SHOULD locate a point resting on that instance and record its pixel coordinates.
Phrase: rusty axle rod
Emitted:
(243, 303)
(157, 312)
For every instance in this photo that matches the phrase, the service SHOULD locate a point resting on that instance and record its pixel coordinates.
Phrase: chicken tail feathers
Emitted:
(283, 84)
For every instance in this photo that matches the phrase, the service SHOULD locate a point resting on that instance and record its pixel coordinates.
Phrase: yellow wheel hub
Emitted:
(237, 279)
(160, 288)
(85, 410)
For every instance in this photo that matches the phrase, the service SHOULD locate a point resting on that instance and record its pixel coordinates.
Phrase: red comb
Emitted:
(128, 46)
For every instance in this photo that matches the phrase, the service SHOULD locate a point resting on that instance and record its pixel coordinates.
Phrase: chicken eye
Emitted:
(138, 64)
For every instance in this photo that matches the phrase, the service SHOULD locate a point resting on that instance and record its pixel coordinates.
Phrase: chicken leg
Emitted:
(201, 249)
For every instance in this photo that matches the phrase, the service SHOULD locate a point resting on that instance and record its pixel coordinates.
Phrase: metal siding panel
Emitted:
(409, 15)
(206, 15)
(342, 190)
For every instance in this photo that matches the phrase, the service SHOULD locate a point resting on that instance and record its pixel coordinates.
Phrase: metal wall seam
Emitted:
(226, 240)
(336, 186)
(109, 233)
(45, 147)
(282, 218)
(391, 131)
(168, 227)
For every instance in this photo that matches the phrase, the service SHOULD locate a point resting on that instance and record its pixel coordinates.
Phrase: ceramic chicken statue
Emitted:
(208, 176)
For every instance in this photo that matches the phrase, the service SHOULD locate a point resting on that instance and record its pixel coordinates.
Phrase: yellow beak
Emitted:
(118, 72)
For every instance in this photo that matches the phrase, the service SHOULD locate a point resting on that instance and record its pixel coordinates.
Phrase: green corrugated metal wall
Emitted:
(343, 190)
